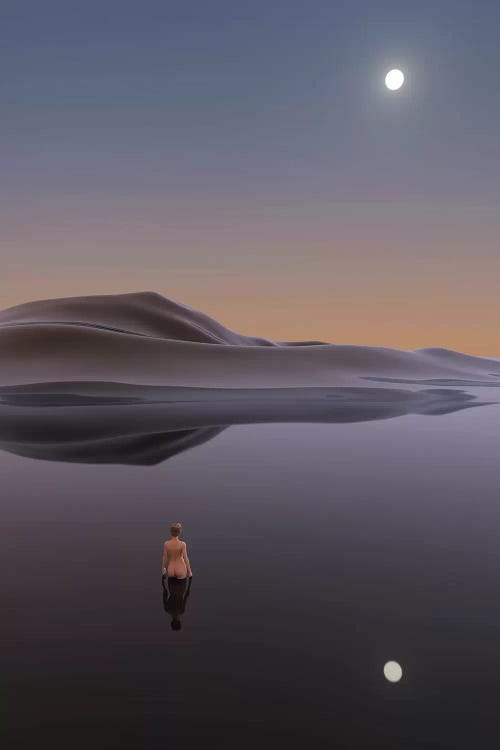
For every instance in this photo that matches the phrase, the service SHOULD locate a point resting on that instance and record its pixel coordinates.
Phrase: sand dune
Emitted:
(138, 378)
(146, 339)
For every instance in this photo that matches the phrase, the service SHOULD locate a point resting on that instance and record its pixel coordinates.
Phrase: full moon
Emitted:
(394, 79)
(393, 671)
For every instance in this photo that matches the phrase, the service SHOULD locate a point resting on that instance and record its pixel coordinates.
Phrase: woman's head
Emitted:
(175, 529)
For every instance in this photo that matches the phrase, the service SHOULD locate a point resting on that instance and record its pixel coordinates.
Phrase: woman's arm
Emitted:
(164, 559)
(186, 559)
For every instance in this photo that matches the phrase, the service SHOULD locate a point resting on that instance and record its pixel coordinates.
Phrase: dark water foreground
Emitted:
(323, 546)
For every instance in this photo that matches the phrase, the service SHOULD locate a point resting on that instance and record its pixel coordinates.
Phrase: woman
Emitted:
(175, 551)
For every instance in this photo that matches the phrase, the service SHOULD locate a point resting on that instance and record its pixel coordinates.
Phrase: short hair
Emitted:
(175, 529)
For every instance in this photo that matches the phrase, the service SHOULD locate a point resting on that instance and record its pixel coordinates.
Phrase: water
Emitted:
(319, 552)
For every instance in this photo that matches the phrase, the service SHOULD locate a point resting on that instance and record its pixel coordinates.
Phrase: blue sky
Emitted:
(266, 120)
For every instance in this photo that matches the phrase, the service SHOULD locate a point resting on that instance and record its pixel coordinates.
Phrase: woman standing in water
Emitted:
(175, 551)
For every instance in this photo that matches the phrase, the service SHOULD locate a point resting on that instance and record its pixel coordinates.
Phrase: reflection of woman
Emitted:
(175, 598)
(176, 552)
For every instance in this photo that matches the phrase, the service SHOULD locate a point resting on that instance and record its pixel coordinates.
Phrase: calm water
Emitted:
(319, 553)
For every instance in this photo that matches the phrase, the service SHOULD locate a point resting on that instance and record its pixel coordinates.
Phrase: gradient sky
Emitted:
(245, 158)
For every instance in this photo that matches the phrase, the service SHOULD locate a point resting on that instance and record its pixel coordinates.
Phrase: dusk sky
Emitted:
(245, 158)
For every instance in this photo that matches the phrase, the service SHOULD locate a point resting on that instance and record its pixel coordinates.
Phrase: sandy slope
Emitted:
(147, 339)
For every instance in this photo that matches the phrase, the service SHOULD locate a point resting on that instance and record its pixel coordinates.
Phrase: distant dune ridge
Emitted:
(146, 339)
(137, 379)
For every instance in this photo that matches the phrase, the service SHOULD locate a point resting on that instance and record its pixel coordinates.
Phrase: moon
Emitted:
(394, 79)
(393, 671)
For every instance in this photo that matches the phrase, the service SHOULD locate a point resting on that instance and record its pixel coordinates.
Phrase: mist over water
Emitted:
(320, 553)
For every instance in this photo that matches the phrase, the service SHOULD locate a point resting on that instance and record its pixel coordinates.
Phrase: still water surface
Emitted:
(320, 552)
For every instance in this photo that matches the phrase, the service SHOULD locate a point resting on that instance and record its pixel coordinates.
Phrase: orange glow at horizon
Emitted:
(379, 317)
(356, 273)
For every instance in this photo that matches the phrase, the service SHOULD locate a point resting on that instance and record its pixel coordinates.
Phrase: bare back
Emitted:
(176, 553)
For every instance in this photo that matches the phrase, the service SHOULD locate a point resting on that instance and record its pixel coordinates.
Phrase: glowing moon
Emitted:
(394, 79)
(393, 671)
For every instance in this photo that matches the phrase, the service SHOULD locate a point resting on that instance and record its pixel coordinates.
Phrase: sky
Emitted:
(246, 159)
